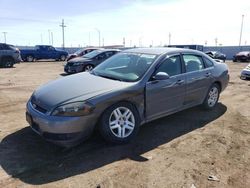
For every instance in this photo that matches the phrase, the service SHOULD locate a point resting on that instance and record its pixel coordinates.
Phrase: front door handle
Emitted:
(179, 82)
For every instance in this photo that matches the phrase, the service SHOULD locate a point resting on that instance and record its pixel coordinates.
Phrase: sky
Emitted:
(137, 22)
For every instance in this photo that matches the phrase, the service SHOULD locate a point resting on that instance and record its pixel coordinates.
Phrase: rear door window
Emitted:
(193, 62)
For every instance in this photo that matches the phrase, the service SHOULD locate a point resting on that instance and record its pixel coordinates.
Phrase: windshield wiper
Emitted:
(109, 77)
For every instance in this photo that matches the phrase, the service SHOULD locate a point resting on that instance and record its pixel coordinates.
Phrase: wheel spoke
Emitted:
(130, 124)
(129, 127)
(123, 131)
(119, 131)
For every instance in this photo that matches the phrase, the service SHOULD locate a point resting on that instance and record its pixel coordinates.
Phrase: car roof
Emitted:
(105, 50)
(159, 51)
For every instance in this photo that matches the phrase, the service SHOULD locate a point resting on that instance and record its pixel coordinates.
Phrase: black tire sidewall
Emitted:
(104, 124)
(205, 103)
(9, 60)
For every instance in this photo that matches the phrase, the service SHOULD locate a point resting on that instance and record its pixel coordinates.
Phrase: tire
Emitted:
(212, 97)
(62, 57)
(114, 126)
(29, 58)
(88, 68)
(8, 62)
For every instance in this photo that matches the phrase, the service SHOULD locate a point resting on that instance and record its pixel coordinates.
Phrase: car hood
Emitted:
(78, 87)
(79, 60)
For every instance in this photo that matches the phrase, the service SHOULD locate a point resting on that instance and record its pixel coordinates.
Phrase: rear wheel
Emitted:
(30, 58)
(212, 97)
(119, 123)
(63, 58)
(88, 68)
(8, 62)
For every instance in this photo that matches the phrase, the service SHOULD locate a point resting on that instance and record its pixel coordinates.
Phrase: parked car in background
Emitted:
(81, 52)
(245, 73)
(127, 90)
(242, 57)
(43, 52)
(88, 61)
(9, 55)
(217, 55)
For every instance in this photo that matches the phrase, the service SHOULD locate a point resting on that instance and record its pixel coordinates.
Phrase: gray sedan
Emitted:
(127, 90)
(245, 73)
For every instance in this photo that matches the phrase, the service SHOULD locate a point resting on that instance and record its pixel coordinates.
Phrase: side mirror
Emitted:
(161, 76)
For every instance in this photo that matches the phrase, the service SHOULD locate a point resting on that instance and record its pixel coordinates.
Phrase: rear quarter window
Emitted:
(208, 63)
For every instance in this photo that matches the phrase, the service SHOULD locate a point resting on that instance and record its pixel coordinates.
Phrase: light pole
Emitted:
(49, 35)
(41, 38)
(169, 39)
(52, 38)
(4, 34)
(241, 28)
(99, 36)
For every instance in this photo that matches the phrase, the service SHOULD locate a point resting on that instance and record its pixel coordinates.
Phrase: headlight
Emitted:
(77, 63)
(73, 109)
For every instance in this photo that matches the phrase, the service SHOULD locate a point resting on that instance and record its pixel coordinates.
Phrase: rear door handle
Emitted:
(208, 74)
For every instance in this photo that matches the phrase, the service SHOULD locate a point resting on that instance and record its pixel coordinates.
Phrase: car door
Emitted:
(42, 52)
(52, 53)
(99, 58)
(198, 77)
(166, 96)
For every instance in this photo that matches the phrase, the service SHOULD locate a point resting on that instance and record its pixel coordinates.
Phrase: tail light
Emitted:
(17, 51)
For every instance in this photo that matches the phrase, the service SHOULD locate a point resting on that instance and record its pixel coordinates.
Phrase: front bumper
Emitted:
(73, 69)
(245, 74)
(63, 131)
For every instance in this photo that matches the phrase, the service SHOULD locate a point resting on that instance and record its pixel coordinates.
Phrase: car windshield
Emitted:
(93, 54)
(78, 51)
(129, 67)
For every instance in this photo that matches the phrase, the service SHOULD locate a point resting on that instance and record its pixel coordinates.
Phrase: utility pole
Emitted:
(41, 38)
(4, 34)
(49, 35)
(63, 26)
(169, 39)
(52, 38)
(124, 41)
(241, 28)
(102, 41)
(99, 36)
(216, 41)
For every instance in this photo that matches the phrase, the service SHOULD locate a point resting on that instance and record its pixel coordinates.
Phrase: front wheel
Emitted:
(119, 123)
(212, 97)
(88, 68)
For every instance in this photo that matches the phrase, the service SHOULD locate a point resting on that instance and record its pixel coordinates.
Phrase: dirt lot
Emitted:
(175, 151)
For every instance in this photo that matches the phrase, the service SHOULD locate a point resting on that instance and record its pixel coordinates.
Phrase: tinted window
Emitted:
(208, 63)
(171, 66)
(108, 54)
(193, 63)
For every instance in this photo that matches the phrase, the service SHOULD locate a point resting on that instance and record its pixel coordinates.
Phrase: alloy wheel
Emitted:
(122, 122)
(213, 96)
